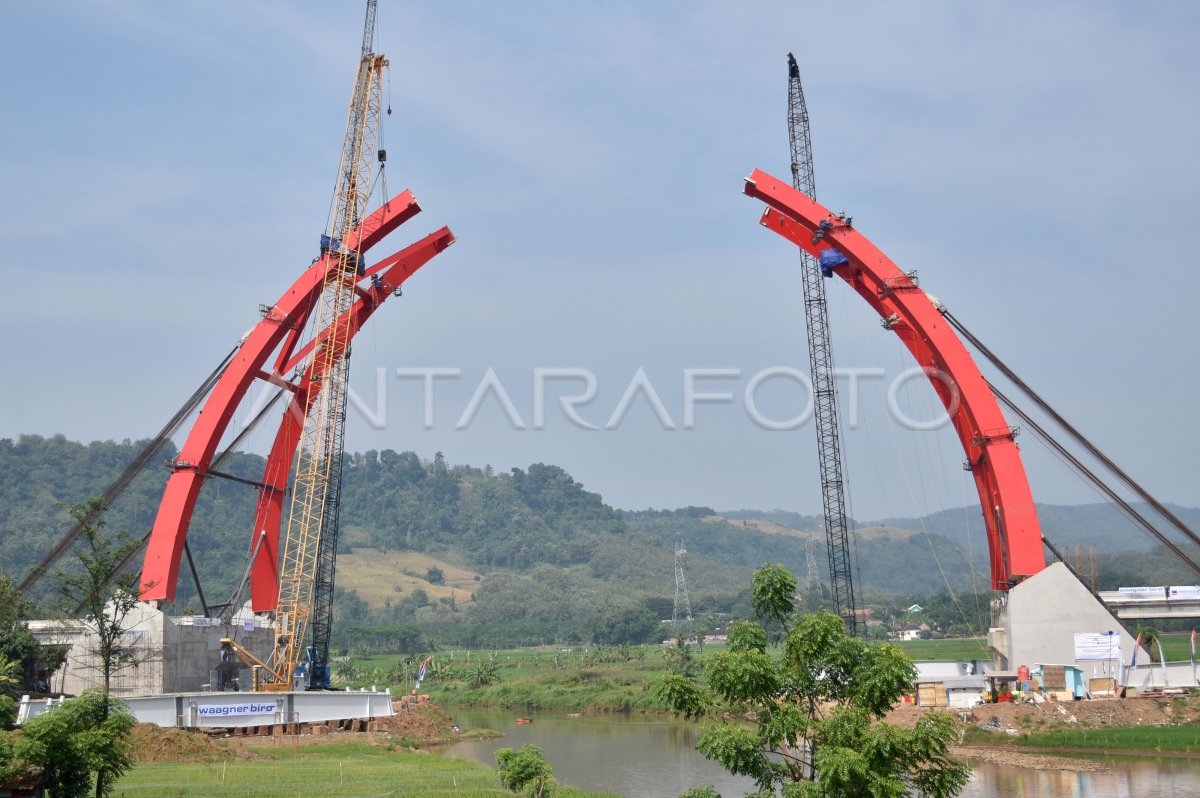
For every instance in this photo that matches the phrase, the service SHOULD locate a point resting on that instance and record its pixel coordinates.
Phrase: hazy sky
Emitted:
(168, 167)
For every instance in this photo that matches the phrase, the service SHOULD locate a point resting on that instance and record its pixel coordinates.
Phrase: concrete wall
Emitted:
(143, 640)
(1040, 617)
(193, 650)
(1150, 675)
(170, 654)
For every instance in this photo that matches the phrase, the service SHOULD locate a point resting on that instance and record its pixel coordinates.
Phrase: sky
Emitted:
(169, 168)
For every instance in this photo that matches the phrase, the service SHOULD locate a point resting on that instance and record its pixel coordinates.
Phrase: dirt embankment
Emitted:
(154, 744)
(1046, 717)
(422, 725)
(1009, 720)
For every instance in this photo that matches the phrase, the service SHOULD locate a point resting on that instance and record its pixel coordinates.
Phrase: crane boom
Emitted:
(820, 359)
(308, 553)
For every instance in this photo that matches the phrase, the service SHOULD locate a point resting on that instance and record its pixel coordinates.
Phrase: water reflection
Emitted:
(655, 757)
(635, 755)
(1127, 778)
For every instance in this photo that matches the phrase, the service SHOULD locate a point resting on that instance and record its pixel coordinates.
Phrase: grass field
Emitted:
(346, 769)
(379, 576)
(1180, 738)
(575, 678)
(580, 678)
(948, 649)
(1177, 646)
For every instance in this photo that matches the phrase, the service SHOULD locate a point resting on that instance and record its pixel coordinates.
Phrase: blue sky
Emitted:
(169, 167)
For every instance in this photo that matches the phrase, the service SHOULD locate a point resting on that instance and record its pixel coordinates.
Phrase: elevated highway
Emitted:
(1158, 603)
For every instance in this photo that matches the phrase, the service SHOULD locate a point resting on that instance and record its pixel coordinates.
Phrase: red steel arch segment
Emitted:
(386, 276)
(1014, 536)
(281, 324)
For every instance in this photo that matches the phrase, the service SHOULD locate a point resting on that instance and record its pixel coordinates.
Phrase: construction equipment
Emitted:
(308, 553)
(820, 360)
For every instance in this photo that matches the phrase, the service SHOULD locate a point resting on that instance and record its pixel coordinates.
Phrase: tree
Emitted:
(1149, 637)
(80, 737)
(483, 673)
(435, 575)
(525, 771)
(818, 708)
(10, 682)
(679, 659)
(346, 671)
(101, 598)
(633, 624)
(17, 644)
(705, 624)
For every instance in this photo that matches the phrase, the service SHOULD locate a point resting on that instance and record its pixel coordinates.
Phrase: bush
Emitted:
(73, 743)
(525, 771)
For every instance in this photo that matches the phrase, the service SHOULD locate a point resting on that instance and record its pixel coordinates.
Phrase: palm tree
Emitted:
(11, 673)
(1149, 636)
(346, 671)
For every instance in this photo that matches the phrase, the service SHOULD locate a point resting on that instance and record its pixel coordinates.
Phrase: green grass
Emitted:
(1184, 738)
(948, 649)
(581, 678)
(576, 680)
(343, 769)
(1177, 646)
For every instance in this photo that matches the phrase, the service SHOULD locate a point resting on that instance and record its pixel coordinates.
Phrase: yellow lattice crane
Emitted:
(309, 545)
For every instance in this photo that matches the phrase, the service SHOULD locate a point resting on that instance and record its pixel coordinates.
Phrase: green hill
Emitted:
(480, 558)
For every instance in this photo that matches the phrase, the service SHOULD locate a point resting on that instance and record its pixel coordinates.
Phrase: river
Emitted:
(644, 756)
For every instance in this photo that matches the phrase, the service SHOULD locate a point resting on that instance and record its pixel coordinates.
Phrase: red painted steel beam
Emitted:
(1014, 535)
(391, 272)
(160, 570)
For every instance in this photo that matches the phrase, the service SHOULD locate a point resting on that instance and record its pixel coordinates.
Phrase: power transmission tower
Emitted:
(810, 560)
(683, 607)
(820, 359)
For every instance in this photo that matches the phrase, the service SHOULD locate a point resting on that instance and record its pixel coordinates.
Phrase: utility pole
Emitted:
(820, 359)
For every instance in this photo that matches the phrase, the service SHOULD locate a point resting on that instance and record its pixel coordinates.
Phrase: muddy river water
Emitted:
(654, 757)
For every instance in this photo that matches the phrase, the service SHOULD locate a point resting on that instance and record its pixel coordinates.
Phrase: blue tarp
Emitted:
(829, 258)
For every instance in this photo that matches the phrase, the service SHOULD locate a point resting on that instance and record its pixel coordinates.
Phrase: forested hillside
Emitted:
(467, 555)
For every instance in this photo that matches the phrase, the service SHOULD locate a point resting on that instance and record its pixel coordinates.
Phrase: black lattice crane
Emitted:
(820, 359)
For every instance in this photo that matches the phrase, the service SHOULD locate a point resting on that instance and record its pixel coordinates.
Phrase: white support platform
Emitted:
(229, 710)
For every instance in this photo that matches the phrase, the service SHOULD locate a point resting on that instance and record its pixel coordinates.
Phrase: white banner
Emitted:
(1098, 646)
(235, 710)
(1137, 591)
(1185, 591)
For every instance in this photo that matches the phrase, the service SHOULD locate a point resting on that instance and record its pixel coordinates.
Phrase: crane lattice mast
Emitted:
(820, 359)
(308, 554)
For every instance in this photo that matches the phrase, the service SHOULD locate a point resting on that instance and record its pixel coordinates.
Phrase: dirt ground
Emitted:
(1047, 716)
(1010, 719)
(154, 744)
(423, 725)
(1022, 759)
